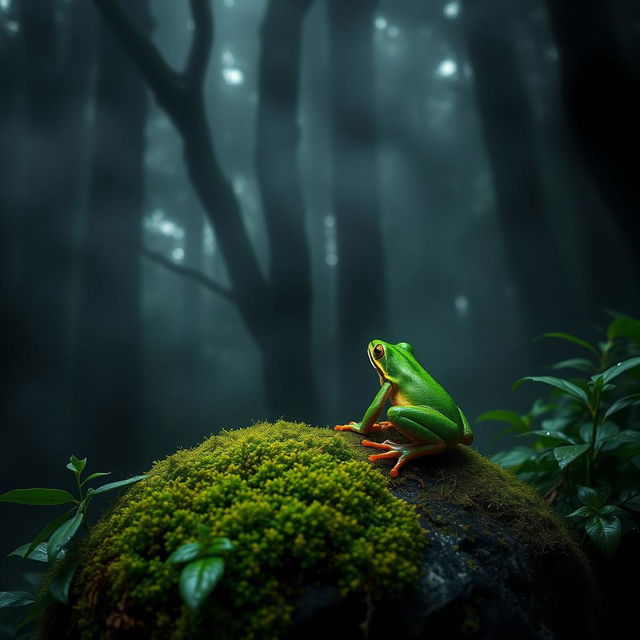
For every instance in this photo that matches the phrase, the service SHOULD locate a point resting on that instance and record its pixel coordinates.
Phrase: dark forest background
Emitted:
(208, 209)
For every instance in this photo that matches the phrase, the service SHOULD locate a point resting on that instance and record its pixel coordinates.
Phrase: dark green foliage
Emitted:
(583, 440)
(50, 544)
(203, 566)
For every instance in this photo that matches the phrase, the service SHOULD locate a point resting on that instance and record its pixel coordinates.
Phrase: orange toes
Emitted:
(383, 456)
(377, 445)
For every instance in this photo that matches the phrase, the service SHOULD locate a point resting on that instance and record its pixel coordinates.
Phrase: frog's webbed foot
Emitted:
(351, 426)
(403, 451)
(381, 426)
(354, 426)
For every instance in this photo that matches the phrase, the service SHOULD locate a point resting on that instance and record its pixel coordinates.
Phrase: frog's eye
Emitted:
(378, 351)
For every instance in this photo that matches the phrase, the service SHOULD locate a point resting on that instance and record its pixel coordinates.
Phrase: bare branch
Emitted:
(188, 272)
(201, 44)
(163, 80)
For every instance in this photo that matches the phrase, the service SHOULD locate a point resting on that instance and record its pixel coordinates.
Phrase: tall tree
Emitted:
(107, 370)
(51, 65)
(181, 95)
(361, 250)
(11, 97)
(602, 101)
(56, 91)
(277, 139)
(530, 246)
(192, 379)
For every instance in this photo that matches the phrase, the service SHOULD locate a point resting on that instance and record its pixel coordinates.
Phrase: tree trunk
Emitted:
(531, 250)
(191, 381)
(283, 205)
(181, 95)
(602, 101)
(108, 386)
(45, 180)
(362, 301)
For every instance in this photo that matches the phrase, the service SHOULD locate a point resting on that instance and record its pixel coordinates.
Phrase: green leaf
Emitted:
(582, 512)
(563, 385)
(198, 579)
(620, 367)
(98, 474)
(632, 503)
(551, 435)
(116, 485)
(77, 466)
(185, 553)
(502, 415)
(610, 509)
(62, 535)
(59, 585)
(38, 496)
(566, 455)
(48, 530)
(624, 327)
(219, 545)
(604, 432)
(39, 553)
(623, 403)
(569, 338)
(540, 407)
(593, 498)
(581, 364)
(605, 532)
(628, 435)
(512, 458)
(16, 598)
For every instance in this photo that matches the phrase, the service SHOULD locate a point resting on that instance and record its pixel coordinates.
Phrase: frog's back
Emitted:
(423, 390)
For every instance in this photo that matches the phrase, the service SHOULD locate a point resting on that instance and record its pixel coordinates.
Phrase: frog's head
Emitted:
(391, 361)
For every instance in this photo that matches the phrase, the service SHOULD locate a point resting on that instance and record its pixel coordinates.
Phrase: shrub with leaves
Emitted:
(582, 448)
(50, 544)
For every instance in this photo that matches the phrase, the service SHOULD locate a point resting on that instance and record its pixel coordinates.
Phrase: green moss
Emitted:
(467, 479)
(300, 506)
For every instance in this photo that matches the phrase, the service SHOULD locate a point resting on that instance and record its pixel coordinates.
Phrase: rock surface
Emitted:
(455, 547)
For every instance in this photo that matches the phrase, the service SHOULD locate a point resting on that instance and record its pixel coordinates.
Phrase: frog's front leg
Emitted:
(429, 430)
(368, 422)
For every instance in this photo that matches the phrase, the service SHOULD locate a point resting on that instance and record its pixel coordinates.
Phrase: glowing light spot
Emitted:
(447, 68)
(233, 76)
(229, 3)
(4, 4)
(177, 254)
(240, 185)
(329, 222)
(393, 32)
(451, 10)
(191, 25)
(380, 23)
(228, 58)
(461, 304)
(167, 227)
(13, 26)
(331, 259)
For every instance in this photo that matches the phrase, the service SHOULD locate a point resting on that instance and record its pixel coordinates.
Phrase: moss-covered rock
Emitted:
(325, 542)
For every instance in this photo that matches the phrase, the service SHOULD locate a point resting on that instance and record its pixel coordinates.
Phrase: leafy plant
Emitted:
(50, 544)
(203, 566)
(583, 440)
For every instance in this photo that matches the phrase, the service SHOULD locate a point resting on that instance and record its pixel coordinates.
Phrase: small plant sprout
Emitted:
(203, 568)
(584, 439)
(50, 544)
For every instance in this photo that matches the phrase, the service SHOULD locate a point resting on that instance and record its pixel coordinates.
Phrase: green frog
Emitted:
(421, 409)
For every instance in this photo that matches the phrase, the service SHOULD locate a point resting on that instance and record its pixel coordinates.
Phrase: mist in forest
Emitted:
(205, 221)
